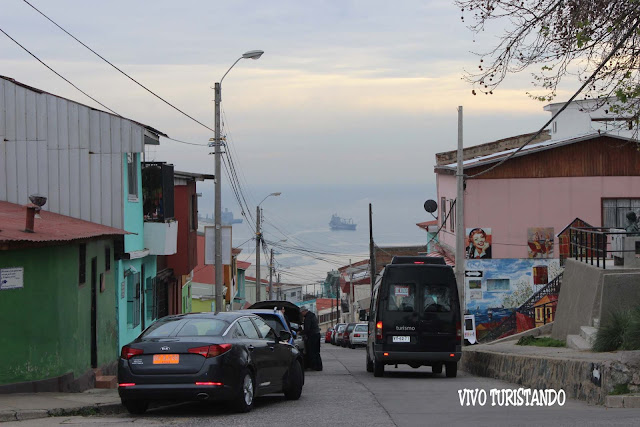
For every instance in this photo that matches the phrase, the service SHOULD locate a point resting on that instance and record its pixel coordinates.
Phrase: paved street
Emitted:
(344, 393)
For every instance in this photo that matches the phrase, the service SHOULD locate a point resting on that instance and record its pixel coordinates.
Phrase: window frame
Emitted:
(133, 193)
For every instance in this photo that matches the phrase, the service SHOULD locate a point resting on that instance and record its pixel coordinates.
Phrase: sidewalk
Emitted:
(583, 375)
(28, 406)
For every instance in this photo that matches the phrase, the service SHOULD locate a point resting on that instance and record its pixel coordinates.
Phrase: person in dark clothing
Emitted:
(311, 339)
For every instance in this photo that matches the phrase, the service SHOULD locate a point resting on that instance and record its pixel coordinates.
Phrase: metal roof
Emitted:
(51, 227)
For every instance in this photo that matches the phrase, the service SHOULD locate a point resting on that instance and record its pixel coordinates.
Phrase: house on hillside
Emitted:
(57, 300)
(514, 213)
(87, 163)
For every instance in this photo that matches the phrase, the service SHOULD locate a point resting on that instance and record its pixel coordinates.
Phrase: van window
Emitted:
(401, 297)
(437, 298)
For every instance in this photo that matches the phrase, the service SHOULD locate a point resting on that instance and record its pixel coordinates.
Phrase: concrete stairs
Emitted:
(583, 341)
(105, 381)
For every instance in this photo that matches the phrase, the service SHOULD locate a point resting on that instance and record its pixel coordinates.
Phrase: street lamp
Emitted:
(252, 54)
(258, 241)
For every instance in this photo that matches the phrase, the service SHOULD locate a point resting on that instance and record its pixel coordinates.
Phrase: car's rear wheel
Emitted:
(293, 388)
(452, 369)
(244, 400)
(378, 368)
(136, 407)
(369, 362)
(436, 368)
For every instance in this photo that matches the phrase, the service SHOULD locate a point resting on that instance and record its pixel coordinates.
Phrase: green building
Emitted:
(57, 300)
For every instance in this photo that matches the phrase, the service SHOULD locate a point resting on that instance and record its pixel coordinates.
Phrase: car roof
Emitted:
(228, 316)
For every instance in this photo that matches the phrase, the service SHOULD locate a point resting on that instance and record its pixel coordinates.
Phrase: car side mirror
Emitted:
(285, 336)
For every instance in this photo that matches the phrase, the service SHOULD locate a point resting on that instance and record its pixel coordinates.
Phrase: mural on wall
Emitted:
(478, 243)
(540, 242)
(505, 284)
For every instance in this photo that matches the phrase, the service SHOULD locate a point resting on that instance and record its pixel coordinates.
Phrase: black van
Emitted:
(414, 318)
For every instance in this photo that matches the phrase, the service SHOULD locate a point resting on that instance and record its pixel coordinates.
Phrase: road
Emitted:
(344, 393)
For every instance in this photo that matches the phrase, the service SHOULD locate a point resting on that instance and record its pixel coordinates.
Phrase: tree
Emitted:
(563, 37)
(522, 292)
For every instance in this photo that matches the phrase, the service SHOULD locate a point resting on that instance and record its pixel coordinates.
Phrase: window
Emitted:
(202, 328)
(248, 328)
(361, 328)
(498, 285)
(437, 298)
(193, 212)
(443, 211)
(161, 329)
(133, 300)
(274, 322)
(265, 330)
(401, 297)
(614, 211)
(132, 175)
(82, 264)
(107, 258)
(452, 215)
(151, 298)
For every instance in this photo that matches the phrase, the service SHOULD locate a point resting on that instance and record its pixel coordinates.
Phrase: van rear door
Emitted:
(439, 312)
(398, 309)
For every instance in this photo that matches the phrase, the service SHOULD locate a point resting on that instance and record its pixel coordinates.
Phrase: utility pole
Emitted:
(372, 255)
(460, 231)
(271, 277)
(258, 241)
(218, 202)
(338, 301)
(351, 298)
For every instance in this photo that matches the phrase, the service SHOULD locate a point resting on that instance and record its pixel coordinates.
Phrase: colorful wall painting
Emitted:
(475, 283)
(540, 242)
(494, 300)
(478, 243)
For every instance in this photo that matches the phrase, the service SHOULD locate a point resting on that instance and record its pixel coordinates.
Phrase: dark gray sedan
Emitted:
(208, 357)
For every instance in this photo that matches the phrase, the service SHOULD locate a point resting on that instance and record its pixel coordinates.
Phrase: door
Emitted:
(259, 353)
(94, 312)
(278, 354)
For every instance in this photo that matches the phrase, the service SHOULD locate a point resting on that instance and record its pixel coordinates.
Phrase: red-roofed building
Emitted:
(57, 298)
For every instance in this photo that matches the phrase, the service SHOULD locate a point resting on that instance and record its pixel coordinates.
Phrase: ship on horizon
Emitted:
(338, 223)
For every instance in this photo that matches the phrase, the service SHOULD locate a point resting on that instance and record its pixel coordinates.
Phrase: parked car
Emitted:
(334, 334)
(359, 335)
(346, 334)
(208, 357)
(415, 317)
(339, 333)
(327, 335)
(292, 317)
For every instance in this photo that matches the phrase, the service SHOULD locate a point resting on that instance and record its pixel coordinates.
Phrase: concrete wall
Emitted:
(46, 329)
(589, 292)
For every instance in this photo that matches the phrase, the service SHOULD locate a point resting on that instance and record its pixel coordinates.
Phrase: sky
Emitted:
(348, 93)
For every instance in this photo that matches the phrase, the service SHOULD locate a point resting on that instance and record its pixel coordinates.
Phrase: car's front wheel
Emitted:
(136, 407)
(244, 399)
(293, 387)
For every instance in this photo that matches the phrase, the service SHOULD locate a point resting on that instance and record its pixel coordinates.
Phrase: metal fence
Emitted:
(593, 245)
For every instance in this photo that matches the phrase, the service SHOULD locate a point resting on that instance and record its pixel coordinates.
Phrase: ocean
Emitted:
(296, 224)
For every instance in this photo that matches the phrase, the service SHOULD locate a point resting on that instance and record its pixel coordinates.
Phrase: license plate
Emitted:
(401, 339)
(166, 359)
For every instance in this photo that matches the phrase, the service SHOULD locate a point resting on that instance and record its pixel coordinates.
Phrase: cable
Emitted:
(566, 104)
(185, 142)
(118, 69)
(58, 74)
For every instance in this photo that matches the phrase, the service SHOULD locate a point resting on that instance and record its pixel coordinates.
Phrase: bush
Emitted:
(631, 340)
(540, 342)
(620, 389)
(613, 334)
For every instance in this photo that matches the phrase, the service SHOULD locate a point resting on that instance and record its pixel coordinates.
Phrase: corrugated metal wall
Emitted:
(66, 151)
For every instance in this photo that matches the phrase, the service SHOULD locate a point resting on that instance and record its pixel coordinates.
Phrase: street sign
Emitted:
(473, 273)
(11, 278)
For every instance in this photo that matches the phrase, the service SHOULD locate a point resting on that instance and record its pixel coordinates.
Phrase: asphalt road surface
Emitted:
(344, 393)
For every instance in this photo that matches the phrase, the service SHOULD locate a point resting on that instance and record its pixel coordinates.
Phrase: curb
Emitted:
(623, 401)
(31, 414)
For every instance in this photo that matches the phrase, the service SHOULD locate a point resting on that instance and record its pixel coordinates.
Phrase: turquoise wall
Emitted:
(46, 325)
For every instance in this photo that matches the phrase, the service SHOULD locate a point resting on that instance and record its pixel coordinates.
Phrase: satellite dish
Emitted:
(38, 200)
(430, 206)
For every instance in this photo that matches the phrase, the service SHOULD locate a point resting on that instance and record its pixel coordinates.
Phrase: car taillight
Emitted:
(459, 330)
(128, 352)
(379, 331)
(211, 350)
(356, 335)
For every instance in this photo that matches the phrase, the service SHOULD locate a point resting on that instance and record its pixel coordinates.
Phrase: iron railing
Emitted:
(593, 245)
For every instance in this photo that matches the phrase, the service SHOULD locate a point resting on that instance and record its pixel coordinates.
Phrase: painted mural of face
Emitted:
(480, 241)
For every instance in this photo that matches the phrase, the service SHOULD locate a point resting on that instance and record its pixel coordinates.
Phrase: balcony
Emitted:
(157, 192)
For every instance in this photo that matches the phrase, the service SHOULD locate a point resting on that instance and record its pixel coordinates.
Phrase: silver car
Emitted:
(359, 335)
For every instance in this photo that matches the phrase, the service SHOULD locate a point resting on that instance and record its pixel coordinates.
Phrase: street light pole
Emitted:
(252, 54)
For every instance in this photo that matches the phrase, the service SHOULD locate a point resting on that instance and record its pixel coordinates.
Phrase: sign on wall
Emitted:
(210, 245)
(540, 242)
(11, 278)
(478, 243)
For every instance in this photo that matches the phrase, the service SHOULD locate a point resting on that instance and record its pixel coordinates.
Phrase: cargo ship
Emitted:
(338, 223)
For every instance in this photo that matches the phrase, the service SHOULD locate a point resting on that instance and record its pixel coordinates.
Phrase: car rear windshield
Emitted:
(361, 328)
(436, 298)
(186, 328)
(401, 297)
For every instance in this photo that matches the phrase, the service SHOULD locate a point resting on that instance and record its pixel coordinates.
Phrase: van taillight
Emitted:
(459, 330)
(418, 262)
(128, 352)
(379, 331)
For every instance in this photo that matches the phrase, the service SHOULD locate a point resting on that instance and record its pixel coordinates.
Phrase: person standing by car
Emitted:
(312, 338)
